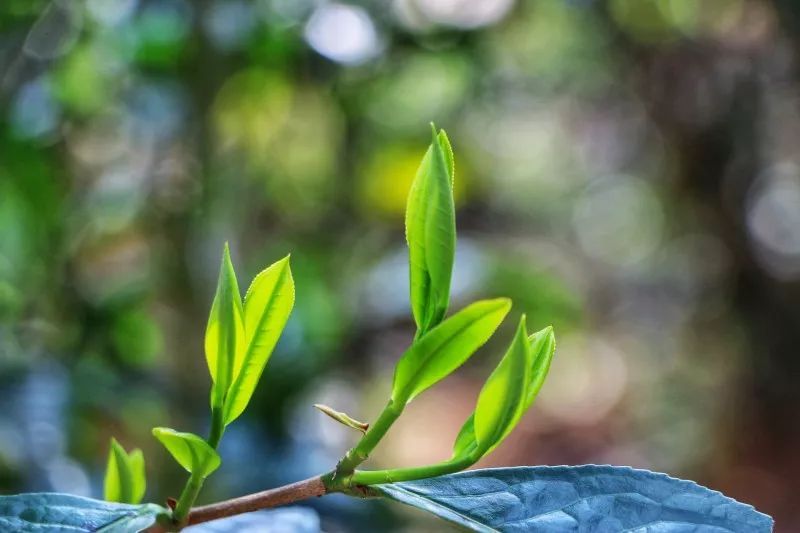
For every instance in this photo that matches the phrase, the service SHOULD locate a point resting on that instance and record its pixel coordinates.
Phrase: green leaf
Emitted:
(125, 476)
(465, 443)
(225, 338)
(502, 399)
(267, 306)
(54, 513)
(446, 347)
(542, 345)
(192, 452)
(575, 498)
(431, 234)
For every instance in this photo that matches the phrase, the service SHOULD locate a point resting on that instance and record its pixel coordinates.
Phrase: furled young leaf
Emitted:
(542, 346)
(431, 234)
(191, 451)
(446, 347)
(578, 498)
(225, 338)
(125, 477)
(55, 513)
(267, 306)
(501, 401)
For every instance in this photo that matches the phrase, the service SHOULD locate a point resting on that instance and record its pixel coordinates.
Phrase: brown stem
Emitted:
(294, 492)
(287, 494)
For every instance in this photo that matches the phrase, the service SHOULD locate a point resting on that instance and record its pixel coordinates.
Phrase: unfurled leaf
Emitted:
(446, 347)
(431, 234)
(55, 513)
(501, 401)
(343, 418)
(125, 477)
(283, 520)
(579, 498)
(225, 338)
(190, 451)
(267, 306)
(542, 347)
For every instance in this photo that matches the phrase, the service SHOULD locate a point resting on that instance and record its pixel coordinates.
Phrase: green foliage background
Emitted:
(625, 170)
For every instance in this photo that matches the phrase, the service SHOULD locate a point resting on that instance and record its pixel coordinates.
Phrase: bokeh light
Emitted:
(626, 171)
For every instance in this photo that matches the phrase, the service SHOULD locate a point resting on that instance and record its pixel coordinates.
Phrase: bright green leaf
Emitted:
(502, 399)
(192, 452)
(431, 234)
(542, 346)
(465, 442)
(267, 306)
(446, 347)
(125, 477)
(225, 338)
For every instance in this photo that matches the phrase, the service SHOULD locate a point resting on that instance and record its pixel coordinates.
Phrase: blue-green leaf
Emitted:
(577, 498)
(431, 234)
(56, 513)
(125, 476)
(190, 451)
(446, 347)
(267, 306)
(225, 338)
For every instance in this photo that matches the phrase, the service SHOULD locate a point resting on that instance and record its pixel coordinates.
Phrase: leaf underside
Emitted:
(52, 512)
(577, 498)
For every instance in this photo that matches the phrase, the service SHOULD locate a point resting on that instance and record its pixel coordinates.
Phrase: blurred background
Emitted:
(625, 170)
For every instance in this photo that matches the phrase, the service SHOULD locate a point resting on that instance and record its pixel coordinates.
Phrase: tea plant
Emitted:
(240, 337)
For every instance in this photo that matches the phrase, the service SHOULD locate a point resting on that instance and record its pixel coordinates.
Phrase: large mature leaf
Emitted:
(284, 520)
(501, 401)
(542, 347)
(125, 477)
(446, 347)
(431, 234)
(225, 337)
(192, 452)
(586, 498)
(52, 513)
(267, 306)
